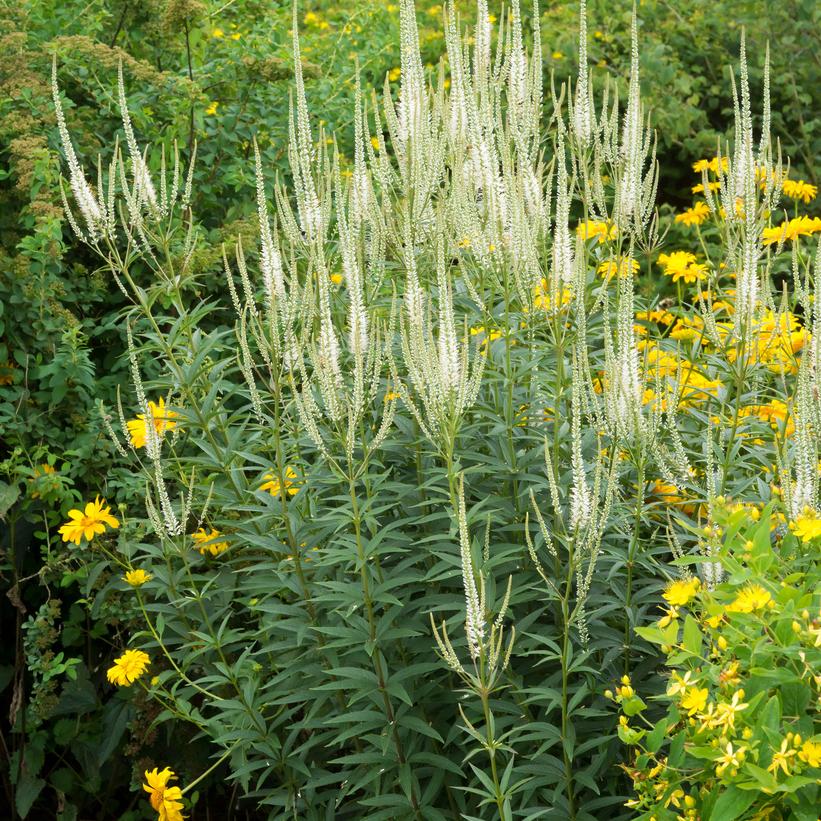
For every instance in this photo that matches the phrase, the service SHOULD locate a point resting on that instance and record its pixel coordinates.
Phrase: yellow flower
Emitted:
(375, 143)
(681, 592)
(593, 229)
(725, 711)
(206, 542)
(41, 483)
(542, 298)
(682, 265)
(678, 684)
(800, 190)
(162, 417)
(272, 485)
(88, 523)
(699, 189)
(167, 801)
(609, 268)
(710, 165)
(792, 230)
(695, 700)
(128, 667)
(781, 759)
(394, 74)
(137, 578)
(218, 33)
(336, 279)
(731, 758)
(557, 55)
(752, 598)
(807, 526)
(810, 753)
(695, 215)
(212, 109)
(391, 395)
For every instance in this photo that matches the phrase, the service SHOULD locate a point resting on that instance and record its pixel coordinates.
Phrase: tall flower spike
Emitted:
(629, 189)
(270, 262)
(582, 118)
(91, 209)
(302, 150)
(144, 191)
(474, 609)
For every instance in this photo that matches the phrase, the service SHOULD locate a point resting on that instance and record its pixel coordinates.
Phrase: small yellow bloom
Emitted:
(731, 759)
(807, 526)
(800, 190)
(681, 592)
(218, 33)
(212, 109)
(682, 265)
(88, 523)
(557, 55)
(810, 753)
(593, 229)
(165, 800)
(695, 215)
(272, 485)
(128, 668)
(137, 578)
(781, 759)
(206, 542)
(752, 598)
(162, 418)
(695, 700)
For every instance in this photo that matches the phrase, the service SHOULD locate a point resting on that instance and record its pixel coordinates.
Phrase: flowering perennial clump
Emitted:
(475, 394)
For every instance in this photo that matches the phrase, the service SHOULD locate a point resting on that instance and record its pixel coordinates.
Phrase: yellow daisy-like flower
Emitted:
(272, 485)
(681, 592)
(162, 418)
(695, 215)
(217, 33)
(88, 523)
(167, 801)
(206, 542)
(752, 598)
(212, 109)
(128, 668)
(810, 753)
(800, 190)
(682, 265)
(594, 229)
(137, 578)
(807, 526)
(711, 165)
(695, 700)
(731, 759)
(610, 268)
(791, 231)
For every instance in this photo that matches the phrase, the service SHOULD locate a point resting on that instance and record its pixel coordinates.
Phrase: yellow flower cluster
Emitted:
(594, 229)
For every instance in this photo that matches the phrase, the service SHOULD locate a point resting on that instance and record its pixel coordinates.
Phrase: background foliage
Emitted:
(221, 74)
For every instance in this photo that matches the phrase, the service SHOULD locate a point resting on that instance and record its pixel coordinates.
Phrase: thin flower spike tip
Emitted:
(88, 204)
(88, 523)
